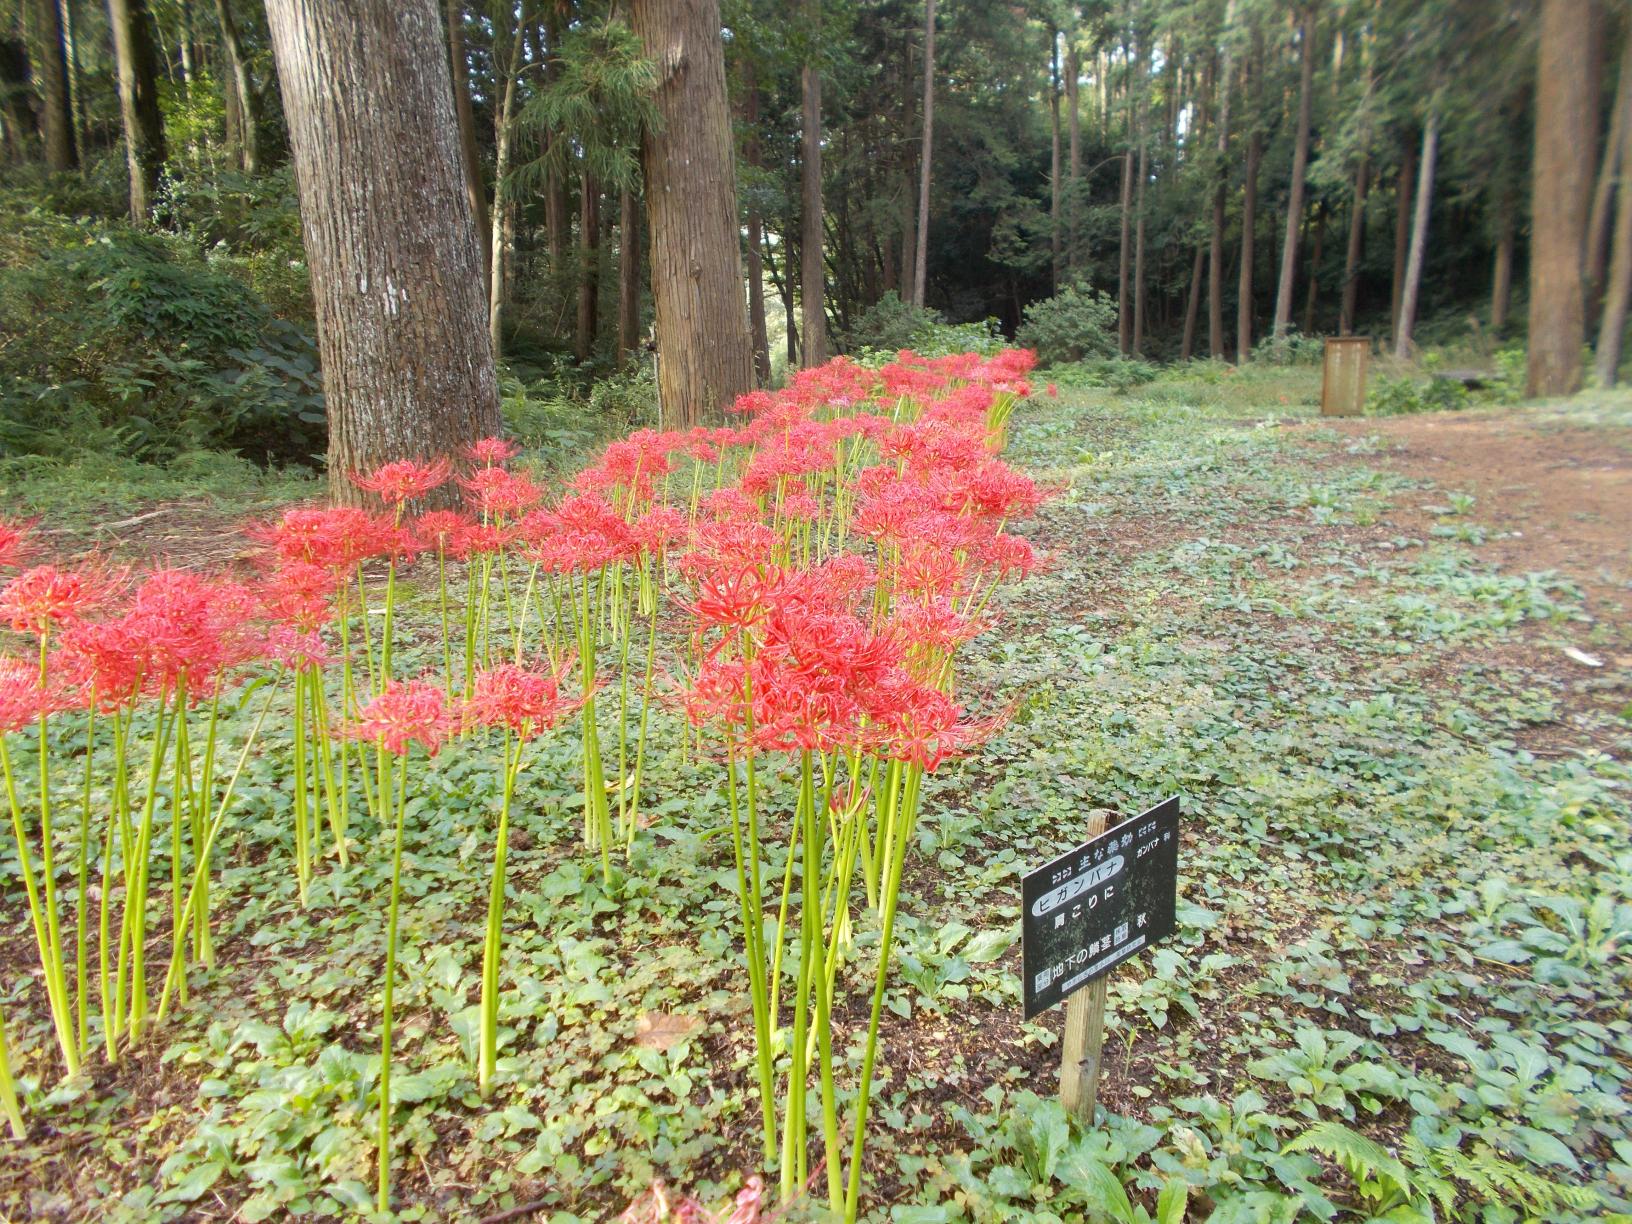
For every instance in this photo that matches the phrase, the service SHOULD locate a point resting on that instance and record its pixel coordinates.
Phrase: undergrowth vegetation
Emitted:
(1398, 984)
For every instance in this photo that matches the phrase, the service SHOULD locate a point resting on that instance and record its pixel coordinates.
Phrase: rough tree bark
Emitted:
(502, 224)
(1402, 231)
(1124, 316)
(1351, 255)
(1300, 164)
(56, 107)
(1618, 289)
(138, 102)
(1501, 277)
(1249, 203)
(407, 365)
(628, 274)
(1611, 174)
(1215, 254)
(1419, 237)
(245, 99)
(1073, 99)
(475, 189)
(811, 276)
(1566, 121)
(705, 357)
(758, 330)
(1315, 249)
(1142, 109)
(1056, 238)
(920, 268)
(589, 268)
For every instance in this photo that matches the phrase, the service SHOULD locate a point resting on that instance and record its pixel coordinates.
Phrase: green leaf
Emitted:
(192, 1187)
(987, 946)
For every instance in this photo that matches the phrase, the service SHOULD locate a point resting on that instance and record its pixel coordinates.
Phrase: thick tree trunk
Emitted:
(1566, 122)
(1215, 253)
(1056, 238)
(1351, 255)
(920, 270)
(1300, 164)
(705, 355)
(1138, 338)
(1314, 272)
(1249, 224)
(475, 189)
(758, 331)
(629, 275)
(76, 81)
(1402, 231)
(1618, 289)
(245, 98)
(811, 275)
(589, 268)
(1611, 174)
(17, 119)
(138, 102)
(1419, 238)
(498, 275)
(1501, 279)
(1124, 313)
(1073, 100)
(1192, 305)
(407, 365)
(56, 106)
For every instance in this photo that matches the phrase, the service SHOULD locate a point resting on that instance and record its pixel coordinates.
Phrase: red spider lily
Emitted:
(1008, 554)
(22, 699)
(658, 529)
(730, 544)
(526, 700)
(496, 492)
(15, 542)
(340, 537)
(404, 479)
(294, 648)
(928, 568)
(44, 596)
(187, 629)
(299, 594)
(102, 660)
(995, 489)
(919, 724)
(444, 531)
(405, 713)
(733, 598)
(490, 452)
(631, 464)
(931, 627)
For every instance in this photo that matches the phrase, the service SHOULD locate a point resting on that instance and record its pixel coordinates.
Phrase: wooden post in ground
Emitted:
(1084, 1028)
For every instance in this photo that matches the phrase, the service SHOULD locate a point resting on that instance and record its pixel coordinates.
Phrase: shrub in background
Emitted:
(1077, 322)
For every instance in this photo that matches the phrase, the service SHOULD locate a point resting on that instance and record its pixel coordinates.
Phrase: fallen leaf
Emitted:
(661, 1030)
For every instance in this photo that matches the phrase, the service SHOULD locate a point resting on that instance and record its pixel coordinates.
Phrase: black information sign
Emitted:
(1095, 906)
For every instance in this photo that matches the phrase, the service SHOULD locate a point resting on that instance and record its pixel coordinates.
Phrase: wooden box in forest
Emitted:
(1343, 384)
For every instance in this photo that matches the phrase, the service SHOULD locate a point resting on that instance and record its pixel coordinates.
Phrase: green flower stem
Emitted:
(8, 1088)
(384, 1150)
(55, 991)
(83, 883)
(201, 868)
(491, 946)
(892, 890)
(754, 953)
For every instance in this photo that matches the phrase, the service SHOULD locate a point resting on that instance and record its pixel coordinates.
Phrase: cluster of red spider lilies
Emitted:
(797, 585)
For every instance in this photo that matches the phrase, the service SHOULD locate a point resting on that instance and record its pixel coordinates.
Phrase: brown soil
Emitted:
(1557, 496)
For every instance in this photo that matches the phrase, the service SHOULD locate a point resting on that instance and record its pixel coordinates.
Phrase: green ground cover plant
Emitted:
(1398, 987)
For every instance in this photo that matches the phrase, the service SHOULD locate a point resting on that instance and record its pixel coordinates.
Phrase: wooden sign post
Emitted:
(1084, 1028)
(1087, 912)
